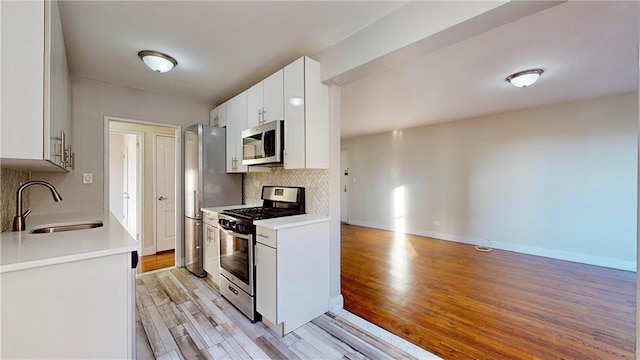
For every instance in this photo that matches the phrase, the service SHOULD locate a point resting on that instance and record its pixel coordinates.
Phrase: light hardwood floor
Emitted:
(180, 316)
(459, 303)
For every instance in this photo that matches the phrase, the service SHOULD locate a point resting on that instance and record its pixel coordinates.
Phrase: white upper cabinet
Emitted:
(36, 91)
(306, 116)
(236, 122)
(218, 116)
(265, 100)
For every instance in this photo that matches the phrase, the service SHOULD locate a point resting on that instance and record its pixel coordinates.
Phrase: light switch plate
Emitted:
(87, 178)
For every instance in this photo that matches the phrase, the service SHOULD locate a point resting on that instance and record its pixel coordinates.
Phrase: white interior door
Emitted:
(344, 185)
(165, 209)
(131, 149)
(116, 176)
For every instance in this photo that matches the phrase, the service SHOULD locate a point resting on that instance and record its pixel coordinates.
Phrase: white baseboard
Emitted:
(524, 249)
(336, 303)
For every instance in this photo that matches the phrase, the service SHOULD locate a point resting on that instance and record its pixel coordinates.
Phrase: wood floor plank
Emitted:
(254, 331)
(218, 352)
(163, 330)
(175, 293)
(158, 295)
(155, 340)
(304, 350)
(231, 340)
(213, 311)
(245, 342)
(143, 297)
(365, 348)
(209, 328)
(320, 344)
(171, 315)
(329, 339)
(231, 351)
(282, 348)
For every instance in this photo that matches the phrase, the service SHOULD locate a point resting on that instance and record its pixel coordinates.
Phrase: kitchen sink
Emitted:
(67, 227)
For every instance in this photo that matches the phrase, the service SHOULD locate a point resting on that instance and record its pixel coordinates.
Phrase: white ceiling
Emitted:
(222, 47)
(587, 49)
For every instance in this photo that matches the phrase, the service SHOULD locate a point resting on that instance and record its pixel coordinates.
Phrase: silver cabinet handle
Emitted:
(263, 235)
(162, 198)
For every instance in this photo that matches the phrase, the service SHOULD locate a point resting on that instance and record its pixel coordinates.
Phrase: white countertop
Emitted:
(22, 250)
(291, 221)
(218, 209)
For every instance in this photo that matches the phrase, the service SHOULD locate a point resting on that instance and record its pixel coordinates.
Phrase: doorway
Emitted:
(148, 155)
(125, 167)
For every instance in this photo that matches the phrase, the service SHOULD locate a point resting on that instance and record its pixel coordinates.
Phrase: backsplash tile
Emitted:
(315, 182)
(11, 179)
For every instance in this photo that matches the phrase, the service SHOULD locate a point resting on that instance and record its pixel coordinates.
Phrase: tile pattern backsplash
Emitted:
(11, 179)
(315, 182)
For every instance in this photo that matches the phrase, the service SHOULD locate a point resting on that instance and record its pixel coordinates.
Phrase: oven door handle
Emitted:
(235, 234)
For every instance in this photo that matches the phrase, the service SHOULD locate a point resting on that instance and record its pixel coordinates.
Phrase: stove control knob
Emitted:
(241, 228)
(223, 222)
(231, 225)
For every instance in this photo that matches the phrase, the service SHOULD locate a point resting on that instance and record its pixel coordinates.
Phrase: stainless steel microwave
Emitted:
(263, 145)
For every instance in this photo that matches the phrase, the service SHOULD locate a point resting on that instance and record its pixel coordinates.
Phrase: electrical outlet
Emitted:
(436, 222)
(87, 178)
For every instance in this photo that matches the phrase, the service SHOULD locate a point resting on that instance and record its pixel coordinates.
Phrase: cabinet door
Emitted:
(266, 282)
(22, 79)
(254, 105)
(294, 98)
(213, 117)
(222, 115)
(211, 251)
(236, 122)
(57, 89)
(273, 97)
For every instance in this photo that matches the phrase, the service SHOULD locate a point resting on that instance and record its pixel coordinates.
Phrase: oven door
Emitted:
(262, 144)
(236, 259)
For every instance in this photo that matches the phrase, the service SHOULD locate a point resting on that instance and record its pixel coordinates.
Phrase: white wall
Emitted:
(558, 181)
(91, 101)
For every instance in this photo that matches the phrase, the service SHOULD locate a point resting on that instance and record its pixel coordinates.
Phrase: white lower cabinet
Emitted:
(292, 274)
(80, 309)
(211, 248)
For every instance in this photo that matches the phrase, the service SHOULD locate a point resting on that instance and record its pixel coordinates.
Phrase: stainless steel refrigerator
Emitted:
(206, 184)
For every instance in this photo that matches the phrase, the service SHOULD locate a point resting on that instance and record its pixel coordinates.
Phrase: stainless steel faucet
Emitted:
(18, 220)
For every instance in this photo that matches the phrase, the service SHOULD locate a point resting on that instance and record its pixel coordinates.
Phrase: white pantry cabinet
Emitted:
(306, 116)
(236, 122)
(292, 274)
(80, 309)
(211, 247)
(265, 100)
(36, 91)
(218, 116)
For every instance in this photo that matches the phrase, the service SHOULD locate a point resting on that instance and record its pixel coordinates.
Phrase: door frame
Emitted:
(155, 190)
(177, 130)
(139, 179)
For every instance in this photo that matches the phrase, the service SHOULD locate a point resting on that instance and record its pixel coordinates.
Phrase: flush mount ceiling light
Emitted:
(157, 61)
(524, 78)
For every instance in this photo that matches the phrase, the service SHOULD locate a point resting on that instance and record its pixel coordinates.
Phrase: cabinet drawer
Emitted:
(266, 236)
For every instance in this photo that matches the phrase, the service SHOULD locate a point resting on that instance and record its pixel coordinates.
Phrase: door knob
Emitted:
(345, 188)
(162, 198)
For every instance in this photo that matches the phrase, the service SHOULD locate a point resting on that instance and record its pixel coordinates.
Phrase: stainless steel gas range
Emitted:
(237, 243)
